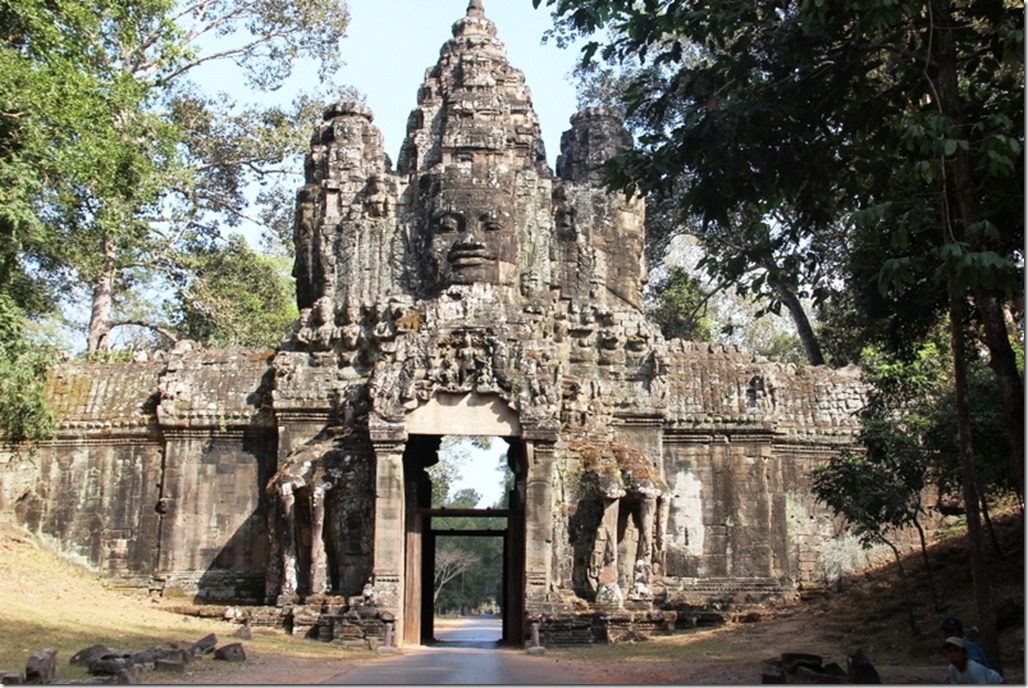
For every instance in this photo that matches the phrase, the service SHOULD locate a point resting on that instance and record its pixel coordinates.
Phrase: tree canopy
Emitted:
(786, 134)
(115, 164)
(234, 296)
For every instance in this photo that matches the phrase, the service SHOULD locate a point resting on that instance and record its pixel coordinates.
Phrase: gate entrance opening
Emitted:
(441, 540)
(468, 580)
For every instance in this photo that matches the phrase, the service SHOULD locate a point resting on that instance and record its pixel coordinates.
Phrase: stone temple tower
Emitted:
(472, 291)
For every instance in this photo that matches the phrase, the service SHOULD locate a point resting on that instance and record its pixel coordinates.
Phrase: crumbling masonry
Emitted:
(470, 291)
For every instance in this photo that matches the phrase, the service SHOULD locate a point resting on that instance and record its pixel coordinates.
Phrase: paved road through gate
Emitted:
(466, 652)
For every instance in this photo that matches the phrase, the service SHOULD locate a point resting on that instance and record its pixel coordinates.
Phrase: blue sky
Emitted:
(390, 44)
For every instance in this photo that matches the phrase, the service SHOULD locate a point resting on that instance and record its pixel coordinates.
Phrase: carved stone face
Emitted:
(468, 232)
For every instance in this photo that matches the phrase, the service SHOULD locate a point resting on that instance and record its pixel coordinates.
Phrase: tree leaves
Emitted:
(234, 297)
(821, 117)
(118, 165)
(25, 413)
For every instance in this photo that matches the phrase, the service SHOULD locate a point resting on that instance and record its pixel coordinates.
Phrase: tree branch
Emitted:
(164, 332)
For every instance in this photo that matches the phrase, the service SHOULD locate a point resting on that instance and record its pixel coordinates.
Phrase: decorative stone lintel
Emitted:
(540, 433)
(387, 435)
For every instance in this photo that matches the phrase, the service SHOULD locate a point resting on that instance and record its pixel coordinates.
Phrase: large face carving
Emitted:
(467, 230)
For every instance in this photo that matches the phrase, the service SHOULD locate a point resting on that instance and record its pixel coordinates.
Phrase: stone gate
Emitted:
(469, 291)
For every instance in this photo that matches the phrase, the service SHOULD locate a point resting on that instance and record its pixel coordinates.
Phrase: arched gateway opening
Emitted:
(427, 524)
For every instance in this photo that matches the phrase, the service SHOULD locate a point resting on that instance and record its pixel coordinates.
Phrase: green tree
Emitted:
(679, 306)
(155, 166)
(992, 452)
(233, 296)
(60, 142)
(875, 501)
(778, 127)
(25, 414)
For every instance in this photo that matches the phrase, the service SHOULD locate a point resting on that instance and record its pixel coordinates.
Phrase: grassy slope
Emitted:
(48, 602)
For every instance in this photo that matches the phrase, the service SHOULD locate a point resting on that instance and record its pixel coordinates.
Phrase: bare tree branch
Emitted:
(163, 331)
(449, 564)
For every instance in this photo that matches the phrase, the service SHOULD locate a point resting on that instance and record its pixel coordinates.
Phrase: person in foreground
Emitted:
(952, 627)
(964, 670)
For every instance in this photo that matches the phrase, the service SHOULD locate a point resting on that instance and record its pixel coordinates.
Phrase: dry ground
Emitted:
(46, 601)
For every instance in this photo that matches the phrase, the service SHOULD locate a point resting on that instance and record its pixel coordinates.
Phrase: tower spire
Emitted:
(475, 9)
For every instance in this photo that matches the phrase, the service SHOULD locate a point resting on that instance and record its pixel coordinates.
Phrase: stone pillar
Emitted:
(319, 560)
(538, 524)
(390, 519)
(287, 518)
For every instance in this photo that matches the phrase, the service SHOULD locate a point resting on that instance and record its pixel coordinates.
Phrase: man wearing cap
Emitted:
(952, 627)
(964, 670)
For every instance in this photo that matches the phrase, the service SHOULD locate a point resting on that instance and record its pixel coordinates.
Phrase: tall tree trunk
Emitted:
(996, 548)
(959, 182)
(915, 631)
(101, 312)
(927, 566)
(979, 571)
(1011, 388)
(804, 329)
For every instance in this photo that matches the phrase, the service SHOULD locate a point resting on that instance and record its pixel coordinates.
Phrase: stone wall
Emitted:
(157, 473)
(94, 489)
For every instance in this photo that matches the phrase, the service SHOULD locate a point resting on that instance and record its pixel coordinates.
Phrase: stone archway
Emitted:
(403, 505)
(424, 526)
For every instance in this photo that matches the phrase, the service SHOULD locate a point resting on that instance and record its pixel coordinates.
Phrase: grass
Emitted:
(49, 602)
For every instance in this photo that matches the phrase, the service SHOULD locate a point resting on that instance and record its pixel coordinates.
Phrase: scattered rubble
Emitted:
(110, 666)
(802, 667)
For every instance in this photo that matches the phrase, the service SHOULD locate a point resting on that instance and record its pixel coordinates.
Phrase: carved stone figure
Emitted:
(467, 232)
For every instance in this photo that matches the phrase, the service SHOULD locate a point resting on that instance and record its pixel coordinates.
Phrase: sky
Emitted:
(483, 472)
(390, 44)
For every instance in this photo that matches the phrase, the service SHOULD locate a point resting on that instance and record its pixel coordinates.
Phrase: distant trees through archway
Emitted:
(472, 473)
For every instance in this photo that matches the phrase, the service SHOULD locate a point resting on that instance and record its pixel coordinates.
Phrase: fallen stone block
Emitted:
(791, 661)
(243, 633)
(9, 677)
(41, 667)
(111, 664)
(174, 653)
(772, 675)
(204, 645)
(87, 656)
(834, 669)
(125, 677)
(859, 669)
(805, 674)
(233, 652)
(170, 666)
